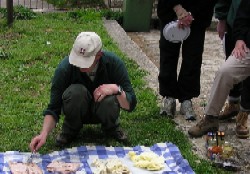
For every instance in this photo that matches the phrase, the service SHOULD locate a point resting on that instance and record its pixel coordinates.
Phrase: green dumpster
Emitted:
(137, 15)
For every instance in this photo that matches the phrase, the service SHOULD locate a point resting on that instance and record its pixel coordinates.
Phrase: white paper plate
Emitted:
(174, 34)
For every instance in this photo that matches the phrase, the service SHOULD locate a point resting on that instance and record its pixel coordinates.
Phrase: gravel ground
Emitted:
(143, 47)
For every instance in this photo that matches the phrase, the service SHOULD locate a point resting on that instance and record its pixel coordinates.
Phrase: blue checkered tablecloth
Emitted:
(173, 158)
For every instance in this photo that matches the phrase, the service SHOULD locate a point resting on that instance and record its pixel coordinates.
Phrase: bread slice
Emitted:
(63, 167)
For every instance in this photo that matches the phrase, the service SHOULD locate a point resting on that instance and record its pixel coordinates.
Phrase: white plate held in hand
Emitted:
(174, 34)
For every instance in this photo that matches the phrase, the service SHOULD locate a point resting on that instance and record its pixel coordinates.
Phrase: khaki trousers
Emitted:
(231, 72)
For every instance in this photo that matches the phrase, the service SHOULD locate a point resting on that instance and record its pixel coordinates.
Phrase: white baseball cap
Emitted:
(85, 48)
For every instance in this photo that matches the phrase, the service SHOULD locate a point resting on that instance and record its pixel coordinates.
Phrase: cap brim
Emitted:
(80, 61)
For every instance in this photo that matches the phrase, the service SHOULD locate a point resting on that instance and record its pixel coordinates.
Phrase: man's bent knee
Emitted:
(75, 90)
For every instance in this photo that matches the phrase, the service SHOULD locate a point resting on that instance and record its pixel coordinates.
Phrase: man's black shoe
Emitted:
(117, 134)
(63, 140)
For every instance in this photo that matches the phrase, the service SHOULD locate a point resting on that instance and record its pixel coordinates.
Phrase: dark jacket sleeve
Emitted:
(221, 9)
(119, 75)
(165, 10)
(241, 27)
(58, 85)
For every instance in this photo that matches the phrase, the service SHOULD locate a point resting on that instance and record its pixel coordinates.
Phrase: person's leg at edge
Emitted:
(192, 50)
(231, 72)
(232, 106)
(241, 129)
(76, 104)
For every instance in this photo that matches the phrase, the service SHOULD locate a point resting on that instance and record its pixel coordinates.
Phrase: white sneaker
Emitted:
(187, 110)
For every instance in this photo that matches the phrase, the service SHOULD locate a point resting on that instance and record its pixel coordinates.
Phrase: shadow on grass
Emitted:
(92, 135)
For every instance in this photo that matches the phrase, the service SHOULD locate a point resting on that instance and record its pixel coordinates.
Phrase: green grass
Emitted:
(29, 54)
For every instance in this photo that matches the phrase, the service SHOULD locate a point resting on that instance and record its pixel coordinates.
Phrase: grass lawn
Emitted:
(29, 54)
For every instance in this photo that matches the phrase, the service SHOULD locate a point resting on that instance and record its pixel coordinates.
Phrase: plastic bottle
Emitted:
(227, 151)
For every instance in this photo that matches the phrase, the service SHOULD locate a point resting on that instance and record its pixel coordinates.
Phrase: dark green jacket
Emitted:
(241, 27)
(226, 10)
(111, 70)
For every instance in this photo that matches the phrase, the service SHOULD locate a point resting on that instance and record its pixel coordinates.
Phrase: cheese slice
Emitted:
(110, 166)
(147, 160)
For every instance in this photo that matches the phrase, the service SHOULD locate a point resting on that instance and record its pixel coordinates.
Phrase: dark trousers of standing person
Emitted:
(187, 85)
(245, 94)
(79, 108)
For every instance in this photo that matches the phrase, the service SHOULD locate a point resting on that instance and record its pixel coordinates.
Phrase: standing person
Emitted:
(239, 97)
(89, 86)
(234, 70)
(197, 15)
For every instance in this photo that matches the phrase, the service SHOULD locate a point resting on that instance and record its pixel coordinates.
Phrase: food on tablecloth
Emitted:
(24, 168)
(63, 167)
(147, 160)
(110, 166)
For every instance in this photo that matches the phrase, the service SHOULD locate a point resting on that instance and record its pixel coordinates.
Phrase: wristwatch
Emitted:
(119, 90)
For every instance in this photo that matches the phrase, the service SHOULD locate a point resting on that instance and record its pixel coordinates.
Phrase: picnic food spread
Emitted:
(146, 160)
(24, 168)
(86, 155)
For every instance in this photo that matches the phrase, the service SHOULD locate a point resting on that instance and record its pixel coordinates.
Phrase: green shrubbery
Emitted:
(85, 14)
(23, 13)
(77, 3)
(20, 13)
(112, 15)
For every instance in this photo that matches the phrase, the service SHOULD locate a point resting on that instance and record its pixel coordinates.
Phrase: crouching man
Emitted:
(89, 86)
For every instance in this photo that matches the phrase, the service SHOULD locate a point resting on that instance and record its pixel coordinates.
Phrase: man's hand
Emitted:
(221, 28)
(104, 90)
(180, 11)
(186, 21)
(49, 124)
(184, 18)
(37, 142)
(240, 50)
